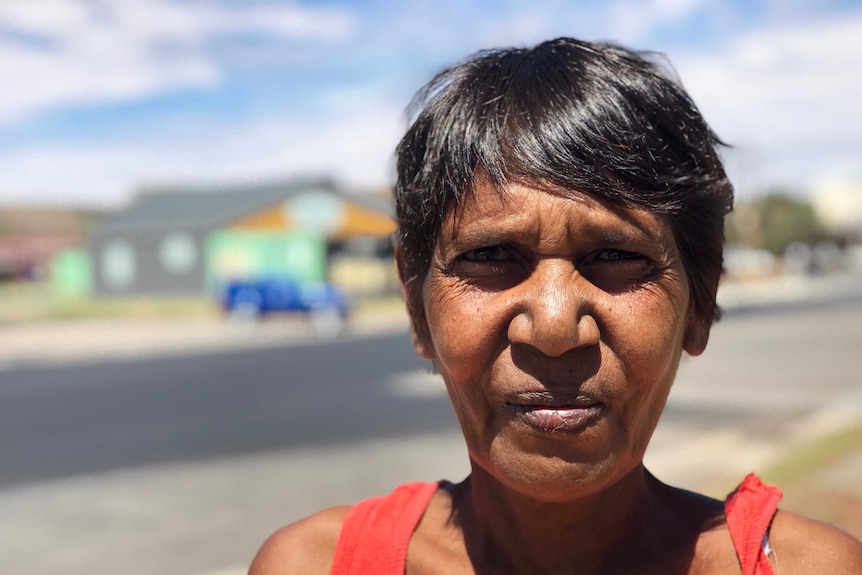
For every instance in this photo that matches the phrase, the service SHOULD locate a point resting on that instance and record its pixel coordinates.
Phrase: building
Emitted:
(30, 236)
(839, 206)
(190, 241)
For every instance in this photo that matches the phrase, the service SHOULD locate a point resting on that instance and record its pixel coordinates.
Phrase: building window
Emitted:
(178, 253)
(118, 264)
(315, 211)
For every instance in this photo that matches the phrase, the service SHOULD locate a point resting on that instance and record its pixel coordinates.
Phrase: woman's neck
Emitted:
(508, 532)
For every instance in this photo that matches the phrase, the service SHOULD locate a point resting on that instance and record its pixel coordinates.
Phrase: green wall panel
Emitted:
(71, 274)
(253, 255)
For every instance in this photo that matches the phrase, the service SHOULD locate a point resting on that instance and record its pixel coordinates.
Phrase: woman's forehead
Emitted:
(534, 207)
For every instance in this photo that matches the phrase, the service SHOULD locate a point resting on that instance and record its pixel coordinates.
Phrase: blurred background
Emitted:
(201, 334)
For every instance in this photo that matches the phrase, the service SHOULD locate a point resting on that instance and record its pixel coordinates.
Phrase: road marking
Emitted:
(419, 383)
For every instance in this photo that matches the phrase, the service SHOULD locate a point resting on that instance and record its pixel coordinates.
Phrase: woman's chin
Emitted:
(557, 470)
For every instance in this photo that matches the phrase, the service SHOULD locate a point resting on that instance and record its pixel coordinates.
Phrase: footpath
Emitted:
(43, 344)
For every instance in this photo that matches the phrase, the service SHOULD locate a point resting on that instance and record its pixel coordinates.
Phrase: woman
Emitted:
(560, 214)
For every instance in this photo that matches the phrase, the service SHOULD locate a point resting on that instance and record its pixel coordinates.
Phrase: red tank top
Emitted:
(749, 511)
(377, 531)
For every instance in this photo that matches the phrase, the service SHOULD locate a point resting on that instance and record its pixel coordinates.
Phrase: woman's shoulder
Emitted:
(804, 545)
(800, 544)
(306, 547)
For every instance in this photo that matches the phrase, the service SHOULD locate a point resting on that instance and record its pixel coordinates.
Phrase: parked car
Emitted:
(325, 304)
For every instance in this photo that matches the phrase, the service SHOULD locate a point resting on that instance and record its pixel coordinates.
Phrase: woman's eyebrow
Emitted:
(491, 231)
(613, 236)
(618, 237)
(627, 231)
(482, 236)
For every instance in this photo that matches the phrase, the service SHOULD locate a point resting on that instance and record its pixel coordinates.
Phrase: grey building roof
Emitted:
(210, 207)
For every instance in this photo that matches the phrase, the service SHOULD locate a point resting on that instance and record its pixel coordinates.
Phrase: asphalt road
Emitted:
(85, 418)
(761, 371)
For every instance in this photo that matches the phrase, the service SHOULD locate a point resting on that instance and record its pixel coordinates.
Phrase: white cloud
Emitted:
(355, 147)
(287, 21)
(86, 52)
(525, 28)
(790, 98)
(50, 17)
(631, 20)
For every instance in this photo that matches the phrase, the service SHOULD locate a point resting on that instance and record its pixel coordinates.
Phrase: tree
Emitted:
(774, 221)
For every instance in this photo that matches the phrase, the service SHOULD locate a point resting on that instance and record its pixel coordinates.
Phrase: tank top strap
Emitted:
(749, 511)
(377, 531)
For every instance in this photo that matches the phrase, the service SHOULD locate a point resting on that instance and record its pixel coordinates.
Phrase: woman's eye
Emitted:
(487, 254)
(617, 270)
(491, 268)
(617, 256)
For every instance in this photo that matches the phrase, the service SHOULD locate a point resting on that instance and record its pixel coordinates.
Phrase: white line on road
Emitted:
(419, 383)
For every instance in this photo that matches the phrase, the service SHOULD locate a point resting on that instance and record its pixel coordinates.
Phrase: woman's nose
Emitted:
(554, 314)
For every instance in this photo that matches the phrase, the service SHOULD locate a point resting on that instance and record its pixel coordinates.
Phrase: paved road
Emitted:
(207, 454)
(81, 419)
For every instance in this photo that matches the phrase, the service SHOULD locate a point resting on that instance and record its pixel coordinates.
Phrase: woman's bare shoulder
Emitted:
(306, 547)
(804, 545)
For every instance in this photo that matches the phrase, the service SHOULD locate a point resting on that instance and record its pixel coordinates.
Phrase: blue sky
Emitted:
(103, 97)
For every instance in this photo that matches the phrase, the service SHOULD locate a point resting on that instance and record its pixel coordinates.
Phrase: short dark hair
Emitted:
(592, 117)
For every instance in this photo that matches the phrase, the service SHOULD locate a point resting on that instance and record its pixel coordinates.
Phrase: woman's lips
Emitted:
(550, 414)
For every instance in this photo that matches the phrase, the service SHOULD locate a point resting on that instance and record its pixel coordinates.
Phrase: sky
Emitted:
(103, 98)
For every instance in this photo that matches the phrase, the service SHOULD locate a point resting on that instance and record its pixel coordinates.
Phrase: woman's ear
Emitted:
(411, 292)
(696, 334)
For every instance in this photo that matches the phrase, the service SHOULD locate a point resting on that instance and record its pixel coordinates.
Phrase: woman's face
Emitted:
(557, 325)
